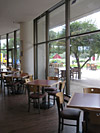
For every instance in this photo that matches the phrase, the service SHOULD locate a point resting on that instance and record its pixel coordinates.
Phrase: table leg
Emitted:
(85, 122)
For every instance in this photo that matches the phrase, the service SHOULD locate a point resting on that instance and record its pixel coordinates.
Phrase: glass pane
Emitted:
(41, 30)
(85, 57)
(11, 59)
(18, 38)
(3, 42)
(56, 58)
(3, 58)
(84, 17)
(11, 40)
(18, 48)
(18, 58)
(41, 61)
(57, 23)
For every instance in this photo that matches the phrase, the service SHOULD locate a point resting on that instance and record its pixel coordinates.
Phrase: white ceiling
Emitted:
(12, 12)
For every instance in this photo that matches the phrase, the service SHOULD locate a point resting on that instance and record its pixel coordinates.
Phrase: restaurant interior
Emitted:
(38, 63)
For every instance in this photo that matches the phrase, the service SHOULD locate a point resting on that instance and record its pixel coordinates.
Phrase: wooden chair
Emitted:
(68, 113)
(34, 96)
(27, 80)
(10, 84)
(93, 117)
(53, 93)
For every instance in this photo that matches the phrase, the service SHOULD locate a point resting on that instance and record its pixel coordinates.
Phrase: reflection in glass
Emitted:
(41, 30)
(11, 40)
(57, 23)
(41, 61)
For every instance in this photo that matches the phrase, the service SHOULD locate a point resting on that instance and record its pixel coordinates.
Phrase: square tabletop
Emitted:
(44, 83)
(85, 101)
(17, 75)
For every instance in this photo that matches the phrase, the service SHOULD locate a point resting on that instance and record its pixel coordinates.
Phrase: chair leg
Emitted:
(77, 129)
(28, 104)
(59, 125)
(62, 123)
(54, 101)
(48, 101)
(39, 105)
(83, 127)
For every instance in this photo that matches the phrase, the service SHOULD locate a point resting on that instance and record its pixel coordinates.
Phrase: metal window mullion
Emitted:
(47, 44)
(67, 33)
(7, 50)
(36, 50)
(15, 50)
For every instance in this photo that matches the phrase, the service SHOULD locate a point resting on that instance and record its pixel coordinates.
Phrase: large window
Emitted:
(75, 47)
(10, 52)
(3, 51)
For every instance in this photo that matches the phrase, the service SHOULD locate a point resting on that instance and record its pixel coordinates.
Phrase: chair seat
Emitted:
(70, 113)
(37, 96)
(50, 88)
(53, 93)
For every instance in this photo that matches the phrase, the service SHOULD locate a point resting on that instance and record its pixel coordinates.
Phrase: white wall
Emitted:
(26, 35)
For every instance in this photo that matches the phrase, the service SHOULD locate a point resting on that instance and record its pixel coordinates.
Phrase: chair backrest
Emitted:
(3, 75)
(31, 77)
(62, 86)
(27, 80)
(32, 88)
(60, 101)
(8, 79)
(53, 78)
(91, 90)
(21, 71)
(61, 97)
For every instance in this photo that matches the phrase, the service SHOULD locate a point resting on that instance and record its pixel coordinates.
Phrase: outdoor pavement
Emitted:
(89, 78)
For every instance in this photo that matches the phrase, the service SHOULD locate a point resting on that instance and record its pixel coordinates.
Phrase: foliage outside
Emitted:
(82, 48)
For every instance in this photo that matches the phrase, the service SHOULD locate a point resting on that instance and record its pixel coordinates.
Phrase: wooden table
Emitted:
(86, 102)
(44, 83)
(17, 75)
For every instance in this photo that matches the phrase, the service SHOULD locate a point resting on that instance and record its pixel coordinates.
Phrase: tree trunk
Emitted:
(79, 68)
(79, 73)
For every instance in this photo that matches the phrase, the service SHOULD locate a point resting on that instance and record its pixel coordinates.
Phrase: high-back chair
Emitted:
(68, 113)
(53, 93)
(34, 96)
(93, 116)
